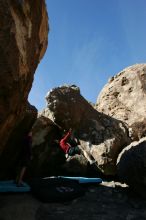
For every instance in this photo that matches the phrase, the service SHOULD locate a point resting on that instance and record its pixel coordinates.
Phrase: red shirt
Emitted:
(63, 143)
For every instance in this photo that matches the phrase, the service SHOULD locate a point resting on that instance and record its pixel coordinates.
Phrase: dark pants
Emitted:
(74, 150)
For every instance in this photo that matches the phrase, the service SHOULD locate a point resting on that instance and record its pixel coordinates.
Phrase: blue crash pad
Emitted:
(84, 179)
(11, 186)
(81, 180)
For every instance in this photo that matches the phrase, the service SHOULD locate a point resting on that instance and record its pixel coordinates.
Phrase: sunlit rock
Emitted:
(23, 42)
(124, 98)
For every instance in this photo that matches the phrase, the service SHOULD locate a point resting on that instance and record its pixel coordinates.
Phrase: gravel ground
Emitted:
(107, 201)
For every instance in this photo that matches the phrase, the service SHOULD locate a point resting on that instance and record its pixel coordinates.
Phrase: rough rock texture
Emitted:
(47, 155)
(131, 165)
(108, 201)
(101, 136)
(124, 98)
(49, 158)
(76, 165)
(23, 41)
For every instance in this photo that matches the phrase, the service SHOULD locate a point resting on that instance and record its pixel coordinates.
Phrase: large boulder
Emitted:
(23, 41)
(48, 157)
(124, 98)
(101, 136)
(131, 166)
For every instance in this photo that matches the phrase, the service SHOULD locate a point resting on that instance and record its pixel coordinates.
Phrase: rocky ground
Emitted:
(107, 201)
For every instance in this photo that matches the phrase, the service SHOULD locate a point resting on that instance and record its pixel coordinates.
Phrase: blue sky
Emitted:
(89, 41)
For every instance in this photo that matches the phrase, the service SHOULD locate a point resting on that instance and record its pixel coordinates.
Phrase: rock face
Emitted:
(100, 136)
(76, 165)
(47, 155)
(23, 41)
(124, 98)
(63, 106)
(131, 165)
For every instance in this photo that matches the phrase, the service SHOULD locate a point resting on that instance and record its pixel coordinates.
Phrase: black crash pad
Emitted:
(56, 189)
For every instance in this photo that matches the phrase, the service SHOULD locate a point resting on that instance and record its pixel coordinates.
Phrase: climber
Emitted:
(69, 144)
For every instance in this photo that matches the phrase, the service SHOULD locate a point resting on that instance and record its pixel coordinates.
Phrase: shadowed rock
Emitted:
(10, 158)
(47, 155)
(131, 165)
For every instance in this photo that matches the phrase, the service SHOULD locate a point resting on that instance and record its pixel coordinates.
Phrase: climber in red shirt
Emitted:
(69, 145)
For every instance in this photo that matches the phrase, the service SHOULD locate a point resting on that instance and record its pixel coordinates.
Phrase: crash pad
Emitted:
(83, 180)
(11, 186)
(56, 189)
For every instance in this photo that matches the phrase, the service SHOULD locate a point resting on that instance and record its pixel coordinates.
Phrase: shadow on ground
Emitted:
(107, 201)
